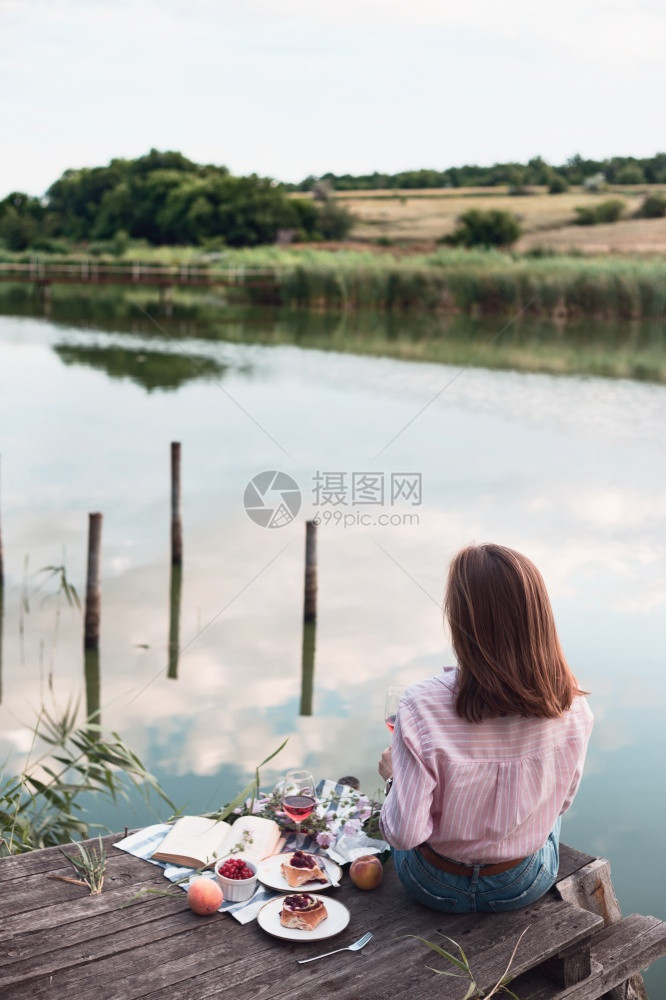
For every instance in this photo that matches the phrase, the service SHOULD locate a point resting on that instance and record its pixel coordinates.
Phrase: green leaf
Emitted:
(149, 892)
(274, 754)
(238, 801)
(445, 954)
(444, 972)
(471, 992)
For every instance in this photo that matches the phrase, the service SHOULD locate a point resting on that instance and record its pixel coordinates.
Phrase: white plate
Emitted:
(268, 872)
(336, 921)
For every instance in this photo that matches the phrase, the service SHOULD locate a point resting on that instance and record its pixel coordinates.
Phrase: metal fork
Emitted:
(356, 946)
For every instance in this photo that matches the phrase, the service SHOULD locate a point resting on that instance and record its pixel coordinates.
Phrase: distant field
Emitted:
(631, 236)
(422, 217)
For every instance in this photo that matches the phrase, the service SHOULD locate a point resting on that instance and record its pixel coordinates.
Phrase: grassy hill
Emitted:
(418, 219)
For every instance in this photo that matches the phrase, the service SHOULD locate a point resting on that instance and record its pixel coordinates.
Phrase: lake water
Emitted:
(569, 470)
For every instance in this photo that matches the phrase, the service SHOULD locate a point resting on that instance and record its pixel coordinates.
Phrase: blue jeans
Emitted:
(519, 886)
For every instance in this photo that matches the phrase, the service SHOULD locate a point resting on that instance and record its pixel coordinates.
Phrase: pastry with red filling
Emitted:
(302, 911)
(300, 868)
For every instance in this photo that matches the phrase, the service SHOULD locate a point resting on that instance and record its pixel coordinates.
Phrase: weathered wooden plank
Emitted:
(617, 951)
(46, 859)
(489, 939)
(29, 901)
(191, 947)
(569, 966)
(591, 888)
(97, 934)
(89, 947)
(181, 953)
(571, 860)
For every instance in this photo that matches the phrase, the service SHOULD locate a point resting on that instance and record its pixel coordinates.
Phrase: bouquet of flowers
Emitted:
(343, 821)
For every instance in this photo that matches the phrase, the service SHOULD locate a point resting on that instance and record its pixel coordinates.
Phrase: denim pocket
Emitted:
(446, 904)
(524, 895)
(425, 884)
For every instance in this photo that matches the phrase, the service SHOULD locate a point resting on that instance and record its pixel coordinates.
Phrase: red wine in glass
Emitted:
(298, 798)
(393, 696)
(298, 807)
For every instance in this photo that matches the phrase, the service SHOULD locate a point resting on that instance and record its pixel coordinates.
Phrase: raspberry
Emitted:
(235, 869)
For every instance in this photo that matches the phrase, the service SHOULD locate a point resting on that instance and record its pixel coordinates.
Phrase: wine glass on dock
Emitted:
(393, 696)
(298, 798)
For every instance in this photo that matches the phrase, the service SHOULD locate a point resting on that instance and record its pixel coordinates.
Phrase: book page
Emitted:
(195, 838)
(252, 837)
(198, 842)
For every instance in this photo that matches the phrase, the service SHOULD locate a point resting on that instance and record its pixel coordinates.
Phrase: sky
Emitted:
(289, 88)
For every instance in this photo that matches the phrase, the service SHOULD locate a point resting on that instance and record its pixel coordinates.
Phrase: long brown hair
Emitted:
(504, 637)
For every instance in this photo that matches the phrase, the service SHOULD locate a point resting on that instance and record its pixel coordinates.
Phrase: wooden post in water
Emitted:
(309, 618)
(307, 666)
(174, 620)
(166, 300)
(93, 601)
(176, 525)
(92, 675)
(44, 293)
(310, 597)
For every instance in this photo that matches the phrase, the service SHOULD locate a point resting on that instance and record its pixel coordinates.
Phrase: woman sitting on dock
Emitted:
(486, 757)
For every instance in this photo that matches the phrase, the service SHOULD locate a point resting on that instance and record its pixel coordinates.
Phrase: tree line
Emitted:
(536, 172)
(165, 199)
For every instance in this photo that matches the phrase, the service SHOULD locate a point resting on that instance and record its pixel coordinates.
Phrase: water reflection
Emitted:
(93, 685)
(616, 349)
(308, 666)
(175, 591)
(568, 470)
(149, 369)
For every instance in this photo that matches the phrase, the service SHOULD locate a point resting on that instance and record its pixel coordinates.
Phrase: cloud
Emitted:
(618, 508)
(593, 29)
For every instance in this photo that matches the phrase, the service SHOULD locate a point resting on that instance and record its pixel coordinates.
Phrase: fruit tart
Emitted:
(300, 868)
(302, 911)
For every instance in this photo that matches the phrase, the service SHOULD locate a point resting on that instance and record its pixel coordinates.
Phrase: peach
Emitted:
(204, 896)
(366, 872)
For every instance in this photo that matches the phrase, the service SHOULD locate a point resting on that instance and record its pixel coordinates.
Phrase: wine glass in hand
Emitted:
(393, 696)
(298, 798)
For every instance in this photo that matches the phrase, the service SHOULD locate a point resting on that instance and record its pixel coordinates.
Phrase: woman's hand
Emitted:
(386, 764)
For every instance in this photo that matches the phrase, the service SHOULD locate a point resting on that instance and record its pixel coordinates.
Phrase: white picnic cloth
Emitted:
(346, 847)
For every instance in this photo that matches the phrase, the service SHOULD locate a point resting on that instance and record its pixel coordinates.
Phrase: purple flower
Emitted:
(325, 838)
(351, 827)
(365, 813)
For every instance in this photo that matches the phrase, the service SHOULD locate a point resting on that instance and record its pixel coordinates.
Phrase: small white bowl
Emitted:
(236, 890)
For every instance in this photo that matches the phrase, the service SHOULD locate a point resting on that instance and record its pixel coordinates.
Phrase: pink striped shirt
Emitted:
(479, 792)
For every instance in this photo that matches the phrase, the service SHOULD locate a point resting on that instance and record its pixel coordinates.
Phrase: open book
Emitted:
(197, 842)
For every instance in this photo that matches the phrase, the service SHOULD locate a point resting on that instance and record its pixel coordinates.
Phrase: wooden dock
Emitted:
(93, 272)
(56, 941)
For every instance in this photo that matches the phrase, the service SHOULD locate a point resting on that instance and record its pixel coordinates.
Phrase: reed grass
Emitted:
(41, 806)
(90, 866)
(476, 282)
